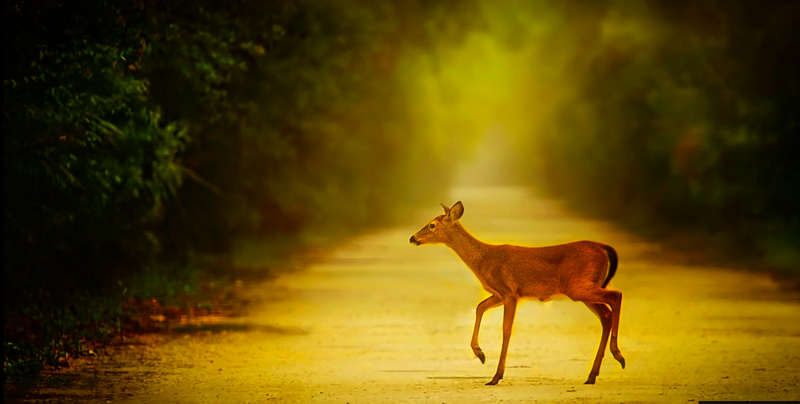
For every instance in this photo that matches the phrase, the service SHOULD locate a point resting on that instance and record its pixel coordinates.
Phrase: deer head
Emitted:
(438, 230)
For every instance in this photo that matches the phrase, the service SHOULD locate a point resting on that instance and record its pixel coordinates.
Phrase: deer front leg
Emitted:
(492, 301)
(509, 309)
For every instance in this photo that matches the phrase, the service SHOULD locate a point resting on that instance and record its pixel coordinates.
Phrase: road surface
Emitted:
(376, 320)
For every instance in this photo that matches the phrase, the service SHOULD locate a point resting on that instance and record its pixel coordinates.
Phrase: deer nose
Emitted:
(412, 240)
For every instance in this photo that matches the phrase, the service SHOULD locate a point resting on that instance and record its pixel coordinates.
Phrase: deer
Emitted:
(580, 270)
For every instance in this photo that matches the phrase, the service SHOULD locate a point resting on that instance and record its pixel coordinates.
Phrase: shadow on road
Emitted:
(236, 327)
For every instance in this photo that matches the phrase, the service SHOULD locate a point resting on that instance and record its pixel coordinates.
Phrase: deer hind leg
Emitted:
(613, 299)
(616, 296)
(509, 310)
(604, 314)
(492, 301)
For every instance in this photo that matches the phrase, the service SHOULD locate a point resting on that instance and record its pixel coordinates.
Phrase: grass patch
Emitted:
(48, 330)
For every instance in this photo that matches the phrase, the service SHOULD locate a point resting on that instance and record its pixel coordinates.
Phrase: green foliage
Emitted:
(22, 361)
(290, 107)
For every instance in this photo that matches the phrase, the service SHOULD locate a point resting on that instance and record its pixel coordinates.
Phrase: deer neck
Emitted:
(471, 250)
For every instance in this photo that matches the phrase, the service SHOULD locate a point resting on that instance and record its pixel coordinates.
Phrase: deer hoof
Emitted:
(480, 355)
(494, 381)
(592, 378)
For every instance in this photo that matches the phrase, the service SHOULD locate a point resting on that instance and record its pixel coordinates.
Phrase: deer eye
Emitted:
(431, 226)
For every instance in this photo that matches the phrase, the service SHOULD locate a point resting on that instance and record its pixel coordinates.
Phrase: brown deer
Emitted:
(579, 270)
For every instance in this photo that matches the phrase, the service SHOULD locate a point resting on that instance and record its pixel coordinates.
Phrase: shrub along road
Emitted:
(378, 320)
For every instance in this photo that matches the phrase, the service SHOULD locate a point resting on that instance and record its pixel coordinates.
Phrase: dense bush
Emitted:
(135, 128)
(86, 161)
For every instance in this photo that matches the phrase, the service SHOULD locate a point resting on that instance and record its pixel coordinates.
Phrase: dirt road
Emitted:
(377, 320)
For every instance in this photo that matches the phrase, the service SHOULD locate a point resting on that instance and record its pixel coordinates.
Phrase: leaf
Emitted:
(71, 177)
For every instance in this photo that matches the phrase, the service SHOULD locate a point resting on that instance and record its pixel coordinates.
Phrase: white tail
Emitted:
(579, 270)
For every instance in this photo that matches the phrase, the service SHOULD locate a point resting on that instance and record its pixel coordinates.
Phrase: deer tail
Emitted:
(612, 263)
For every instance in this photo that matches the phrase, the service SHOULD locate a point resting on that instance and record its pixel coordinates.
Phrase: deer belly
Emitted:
(548, 298)
(541, 292)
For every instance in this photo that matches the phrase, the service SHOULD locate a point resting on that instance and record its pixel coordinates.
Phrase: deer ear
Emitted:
(446, 209)
(456, 211)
